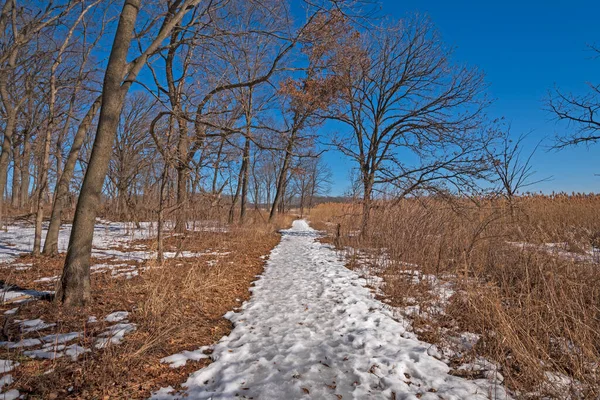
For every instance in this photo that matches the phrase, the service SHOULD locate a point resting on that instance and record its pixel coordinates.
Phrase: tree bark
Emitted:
(245, 179)
(25, 178)
(44, 167)
(16, 176)
(237, 194)
(182, 194)
(4, 157)
(367, 204)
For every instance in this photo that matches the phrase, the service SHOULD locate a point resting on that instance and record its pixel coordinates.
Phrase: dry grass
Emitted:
(177, 306)
(537, 311)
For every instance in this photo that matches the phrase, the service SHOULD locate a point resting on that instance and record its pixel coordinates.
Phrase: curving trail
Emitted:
(313, 330)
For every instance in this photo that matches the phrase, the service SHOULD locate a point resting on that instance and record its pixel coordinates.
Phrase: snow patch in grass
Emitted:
(114, 334)
(180, 359)
(16, 295)
(62, 337)
(7, 365)
(6, 380)
(32, 325)
(10, 395)
(21, 343)
(117, 316)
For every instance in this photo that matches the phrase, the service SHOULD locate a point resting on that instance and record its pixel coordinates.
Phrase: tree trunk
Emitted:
(44, 167)
(237, 193)
(74, 286)
(25, 160)
(16, 176)
(282, 179)
(182, 192)
(4, 157)
(367, 199)
(62, 185)
(245, 179)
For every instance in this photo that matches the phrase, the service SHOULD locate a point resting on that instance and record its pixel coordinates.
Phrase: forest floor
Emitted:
(314, 329)
(141, 311)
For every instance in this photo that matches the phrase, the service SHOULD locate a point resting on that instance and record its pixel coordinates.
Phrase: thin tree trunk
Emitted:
(25, 177)
(182, 192)
(282, 179)
(44, 166)
(245, 179)
(4, 156)
(16, 176)
(62, 186)
(237, 193)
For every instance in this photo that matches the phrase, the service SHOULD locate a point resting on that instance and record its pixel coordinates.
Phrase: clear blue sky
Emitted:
(525, 48)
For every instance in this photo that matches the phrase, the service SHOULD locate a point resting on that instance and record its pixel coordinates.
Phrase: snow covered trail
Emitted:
(313, 330)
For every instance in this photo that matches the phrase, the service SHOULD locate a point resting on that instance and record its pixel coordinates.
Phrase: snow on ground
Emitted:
(18, 239)
(180, 359)
(112, 241)
(314, 330)
(16, 295)
(560, 250)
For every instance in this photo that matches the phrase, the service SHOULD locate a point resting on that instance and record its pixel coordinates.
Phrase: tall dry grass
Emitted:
(537, 311)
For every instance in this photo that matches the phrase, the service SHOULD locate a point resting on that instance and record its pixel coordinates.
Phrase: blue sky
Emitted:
(524, 48)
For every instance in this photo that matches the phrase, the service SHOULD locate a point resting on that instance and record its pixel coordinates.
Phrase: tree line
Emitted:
(163, 105)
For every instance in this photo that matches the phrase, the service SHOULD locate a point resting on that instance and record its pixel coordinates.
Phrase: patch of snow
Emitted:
(163, 393)
(114, 334)
(559, 250)
(48, 279)
(312, 329)
(61, 337)
(15, 295)
(32, 325)
(46, 352)
(6, 380)
(117, 316)
(52, 351)
(10, 395)
(74, 351)
(11, 311)
(180, 359)
(21, 343)
(7, 365)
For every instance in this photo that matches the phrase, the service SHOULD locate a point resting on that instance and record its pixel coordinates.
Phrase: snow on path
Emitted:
(313, 330)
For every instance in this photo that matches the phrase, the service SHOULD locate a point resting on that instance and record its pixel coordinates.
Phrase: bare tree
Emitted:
(65, 176)
(413, 117)
(329, 47)
(74, 286)
(20, 27)
(512, 167)
(132, 153)
(51, 124)
(580, 112)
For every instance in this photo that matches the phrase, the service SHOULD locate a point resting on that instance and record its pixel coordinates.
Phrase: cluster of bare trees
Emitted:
(157, 106)
(161, 104)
